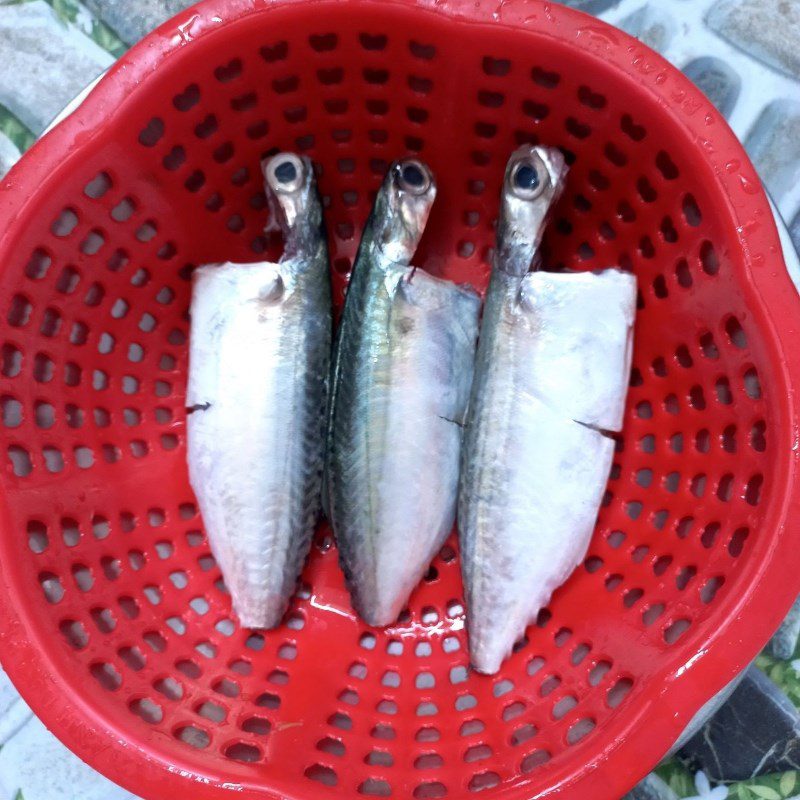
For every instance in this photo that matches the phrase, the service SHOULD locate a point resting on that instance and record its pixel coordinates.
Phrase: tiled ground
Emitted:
(743, 53)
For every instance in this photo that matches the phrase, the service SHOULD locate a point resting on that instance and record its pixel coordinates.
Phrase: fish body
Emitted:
(259, 361)
(550, 379)
(401, 379)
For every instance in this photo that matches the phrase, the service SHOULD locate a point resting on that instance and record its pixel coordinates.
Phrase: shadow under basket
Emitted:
(114, 621)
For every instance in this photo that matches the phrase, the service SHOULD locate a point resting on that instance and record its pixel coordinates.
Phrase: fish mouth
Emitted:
(412, 176)
(285, 173)
(532, 170)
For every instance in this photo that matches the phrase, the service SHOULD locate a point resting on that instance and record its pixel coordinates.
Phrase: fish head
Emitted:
(291, 188)
(534, 180)
(401, 209)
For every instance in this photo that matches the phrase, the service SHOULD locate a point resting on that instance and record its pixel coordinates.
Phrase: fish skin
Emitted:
(535, 458)
(401, 378)
(582, 322)
(259, 361)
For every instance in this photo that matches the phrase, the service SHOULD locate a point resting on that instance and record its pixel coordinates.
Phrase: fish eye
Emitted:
(526, 177)
(286, 172)
(528, 180)
(413, 177)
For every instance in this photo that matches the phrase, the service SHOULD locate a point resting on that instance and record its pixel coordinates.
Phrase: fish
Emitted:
(259, 362)
(551, 377)
(401, 376)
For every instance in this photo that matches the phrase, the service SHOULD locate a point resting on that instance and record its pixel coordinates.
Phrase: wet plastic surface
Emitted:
(113, 620)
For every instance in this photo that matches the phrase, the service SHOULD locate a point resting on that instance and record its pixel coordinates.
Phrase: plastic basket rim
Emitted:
(609, 769)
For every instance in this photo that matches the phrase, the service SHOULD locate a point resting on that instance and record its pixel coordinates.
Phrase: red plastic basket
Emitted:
(115, 625)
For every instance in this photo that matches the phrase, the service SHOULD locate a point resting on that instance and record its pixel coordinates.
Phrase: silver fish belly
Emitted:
(259, 361)
(550, 379)
(402, 374)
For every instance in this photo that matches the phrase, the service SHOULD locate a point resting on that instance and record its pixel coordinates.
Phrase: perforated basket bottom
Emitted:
(123, 601)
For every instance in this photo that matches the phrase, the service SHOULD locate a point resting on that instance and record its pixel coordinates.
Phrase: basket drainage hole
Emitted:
(564, 706)
(331, 746)
(752, 492)
(257, 725)
(189, 668)
(98, 186)
(429, 761)
(709, 590)
(129, 606)
(194, 737)
(373, 787)
(386, 707)
(106, 675)
(133, 657)
(321, 774)
(735, 333)
(483, 780)
(752, 385)
(675, 630)
(83, 577)
(736, 544)
(382, 731)
(151, 134)
(758, 439)
(580, 653)
(631, 129)
(228, 72)
(64, 223)
(240, 751)
(598, 672)
(211, 711)
(632, 597)
(148, 710)
(188, 98)
(37, 536)
(534, 760)
(684, 577)
(580, 730)
(52, 587)
(523, 734)
(619, 691)
(430, 791)
(227, 688)
(652, 613)
(691, 211)
(170, 688)
(75, 633)
(278, 677)
(344, 723)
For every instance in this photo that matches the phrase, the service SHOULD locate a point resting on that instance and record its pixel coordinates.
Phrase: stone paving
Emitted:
(743, 53)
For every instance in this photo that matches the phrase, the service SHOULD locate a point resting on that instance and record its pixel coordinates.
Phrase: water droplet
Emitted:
(733, 165)
(749, 186)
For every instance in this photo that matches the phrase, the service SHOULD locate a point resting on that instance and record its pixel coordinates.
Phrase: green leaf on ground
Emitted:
(107, 39)
(67, 10)
(787, 783)
(15, 130)
(679, 779)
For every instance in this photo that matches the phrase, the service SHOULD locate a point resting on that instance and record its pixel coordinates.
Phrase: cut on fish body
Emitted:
(550, 378)
(259, 361)
(401, 379)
